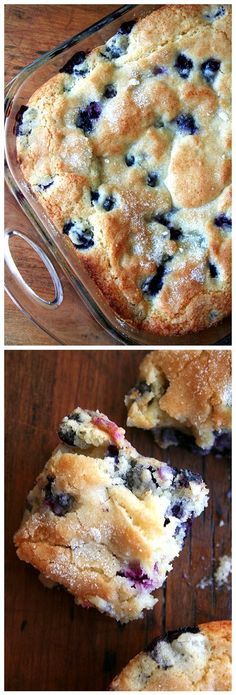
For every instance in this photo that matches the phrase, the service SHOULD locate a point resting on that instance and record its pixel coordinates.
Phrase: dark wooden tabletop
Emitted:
(30, 30)
(50, 643)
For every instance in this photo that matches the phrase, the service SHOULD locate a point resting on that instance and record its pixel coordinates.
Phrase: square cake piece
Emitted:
(104, 521)
(184, 397)
(128, 149)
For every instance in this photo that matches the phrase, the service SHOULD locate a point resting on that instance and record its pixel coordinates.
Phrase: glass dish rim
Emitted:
(121, 329)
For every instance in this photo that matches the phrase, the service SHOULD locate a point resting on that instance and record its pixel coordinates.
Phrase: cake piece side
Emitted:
(197, 658)
(185, 398)
(104, 521)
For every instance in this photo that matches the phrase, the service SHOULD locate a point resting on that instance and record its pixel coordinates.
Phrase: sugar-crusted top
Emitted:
(128, 149)
(187, 388)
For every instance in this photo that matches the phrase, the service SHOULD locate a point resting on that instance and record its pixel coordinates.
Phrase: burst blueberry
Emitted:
(152, 179)
(152, 285)
(209, 69)
(80, 233)
(59, 503)
(186, 124)
(86, 118)
(165, 220)
(109, 203)
(160, 70)
(183, 65)
(110, 91)
(44, 186)
(72, 67)
(175, 233)
(223, 221)
(94, 197)
(212, 269)
(20, 129)
(214, 13)
(126, 27)
(113, 452)
(129, 160)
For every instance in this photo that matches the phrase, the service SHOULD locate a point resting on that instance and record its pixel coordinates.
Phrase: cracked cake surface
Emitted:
(128, 150)
(185, 398)
(197, 658)
(105, 522)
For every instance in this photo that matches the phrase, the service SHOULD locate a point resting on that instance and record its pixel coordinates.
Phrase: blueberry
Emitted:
(143, 387)
(213, 270)
(110, 91)
(109, 203)
(113, 452)
(177, 510)
(223, 221)
(152, 179)
(79, 233)
(129, 160)
(44, 186)
(222, 443)
(183, 65)
(20, 129)
(174, 634)
(175, 233)
(94, 197)
(75, 416)
(214, 13)
(87, 117)
(160, 70)
(166, 522)
(72, 65)
(61, 503)
(209, 69)
(152, 285)
(126, 27)
(67, 435)
(113, 52)
(164, 219)
(184, 477)
(186, 123)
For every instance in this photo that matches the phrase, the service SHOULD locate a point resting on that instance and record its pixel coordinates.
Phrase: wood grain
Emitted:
(30, 30)
(50, 643)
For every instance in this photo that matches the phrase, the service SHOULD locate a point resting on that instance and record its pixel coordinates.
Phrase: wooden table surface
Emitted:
(29, 31)
(50, 643)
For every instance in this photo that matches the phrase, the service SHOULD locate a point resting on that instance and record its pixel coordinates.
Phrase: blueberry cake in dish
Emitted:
(184, 397)
(128, 150)
(192, 658)
(105, 522)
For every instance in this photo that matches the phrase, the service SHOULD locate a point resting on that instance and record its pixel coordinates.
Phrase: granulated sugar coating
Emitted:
(135, 137)
(105, 522)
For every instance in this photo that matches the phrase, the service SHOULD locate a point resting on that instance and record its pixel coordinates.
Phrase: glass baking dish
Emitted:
(70, 279)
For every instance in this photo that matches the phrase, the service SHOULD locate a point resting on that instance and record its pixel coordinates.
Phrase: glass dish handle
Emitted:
(70, 324)
(21, 293)
(17, 287)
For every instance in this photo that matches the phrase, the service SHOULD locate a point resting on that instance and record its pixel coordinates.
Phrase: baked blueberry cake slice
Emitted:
(184, 397)
(104, 521)
(128, 150)
(192, 658)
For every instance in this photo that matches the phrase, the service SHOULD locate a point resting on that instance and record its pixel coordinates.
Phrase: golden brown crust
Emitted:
(209, 670)
(133, 242)
(189, 389)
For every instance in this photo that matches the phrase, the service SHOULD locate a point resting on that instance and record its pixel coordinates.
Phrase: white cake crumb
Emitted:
(223, 571)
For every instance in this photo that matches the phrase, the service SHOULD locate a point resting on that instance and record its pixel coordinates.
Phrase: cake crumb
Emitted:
(223, 571)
